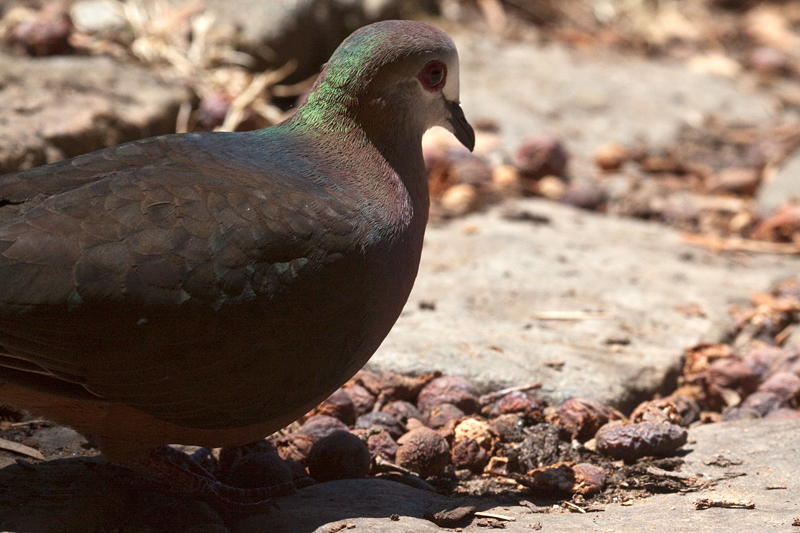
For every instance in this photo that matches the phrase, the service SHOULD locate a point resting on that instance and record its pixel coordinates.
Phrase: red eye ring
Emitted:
(433, 76)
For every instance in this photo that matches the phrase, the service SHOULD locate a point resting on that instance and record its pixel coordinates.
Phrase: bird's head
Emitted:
(396, 78)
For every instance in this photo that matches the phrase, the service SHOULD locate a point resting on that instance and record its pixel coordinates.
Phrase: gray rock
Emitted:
(589, 98)
(368, 503)
(782, 186)
(58, 107)
(96, 16)
(621, 282)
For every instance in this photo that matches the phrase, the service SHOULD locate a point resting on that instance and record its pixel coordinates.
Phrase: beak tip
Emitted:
(460, 127)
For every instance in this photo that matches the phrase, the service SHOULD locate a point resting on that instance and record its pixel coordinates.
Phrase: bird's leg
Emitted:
(168, 466)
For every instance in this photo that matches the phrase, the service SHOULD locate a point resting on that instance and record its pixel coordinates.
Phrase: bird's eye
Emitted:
(433, 76)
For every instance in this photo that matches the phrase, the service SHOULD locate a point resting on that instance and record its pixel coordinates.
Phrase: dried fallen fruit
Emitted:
(340, 455)
(660, 410)
(460, 199)
(509, 427)
(293, 447)
(382, 444)
(402, 410)
(423, 451)
(475, 429)
(441, 415)
(449, 389)
(584, 193)
(319, 426)
(611, 155)
(580, 418)
(467, 453)
(380, 420)
(363, 399)
(338, 405)
(259, 470)
(559, 477)
(589, 479)
(541, 155)
(506, 180)
(518, 402)
(633, 441)
(45, 34)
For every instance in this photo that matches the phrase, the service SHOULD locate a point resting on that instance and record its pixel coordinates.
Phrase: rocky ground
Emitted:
(604, 295)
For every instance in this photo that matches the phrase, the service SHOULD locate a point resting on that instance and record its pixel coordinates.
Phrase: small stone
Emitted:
(423, 451)
(786, 385)
(340, 455)
(784, 412)
(559, 477)
(230, 454)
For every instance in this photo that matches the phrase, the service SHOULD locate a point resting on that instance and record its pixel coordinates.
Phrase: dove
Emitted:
(210, 288)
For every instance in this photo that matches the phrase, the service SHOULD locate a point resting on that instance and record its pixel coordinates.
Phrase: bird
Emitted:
(210, 288)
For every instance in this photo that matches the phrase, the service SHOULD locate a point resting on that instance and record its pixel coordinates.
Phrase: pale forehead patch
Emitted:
(451, 86)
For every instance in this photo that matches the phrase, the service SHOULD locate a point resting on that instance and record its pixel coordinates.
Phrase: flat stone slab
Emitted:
(592, 97)
(57, 107)
(627, 288)
(782, 186)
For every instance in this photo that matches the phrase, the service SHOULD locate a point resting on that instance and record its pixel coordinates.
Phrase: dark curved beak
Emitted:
(459, 125)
